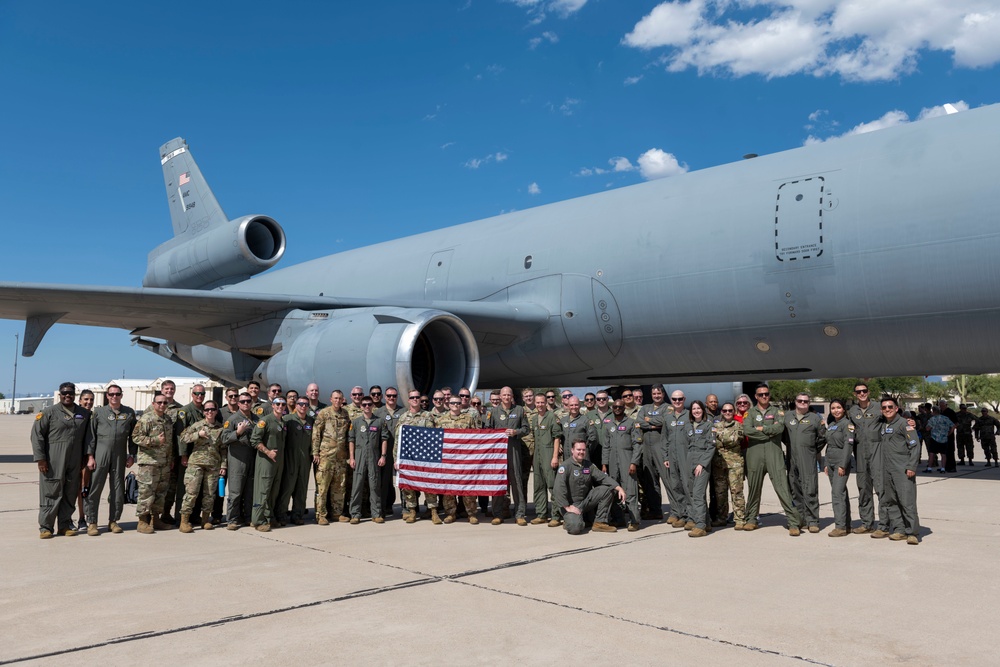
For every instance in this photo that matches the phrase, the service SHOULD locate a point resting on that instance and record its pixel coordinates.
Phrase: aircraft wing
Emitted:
(183, 315)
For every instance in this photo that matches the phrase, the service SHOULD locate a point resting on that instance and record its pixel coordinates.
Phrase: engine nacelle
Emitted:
(218, 256)
(400, 347)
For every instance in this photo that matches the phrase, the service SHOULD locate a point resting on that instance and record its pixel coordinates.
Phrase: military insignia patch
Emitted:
(562, 469)
(758, 418)
(261, 424)
(38, 416)
(180, 413)
(259, 411)
(225, 425)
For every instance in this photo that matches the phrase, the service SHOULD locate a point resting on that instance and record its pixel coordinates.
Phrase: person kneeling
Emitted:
(583, 491)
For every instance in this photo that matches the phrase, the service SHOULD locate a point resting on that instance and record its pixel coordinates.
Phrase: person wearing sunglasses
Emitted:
(622, 458)
(649, 421)
(354, 407)
(111, 450)
(57, 440)
(899, 450)
(240, 463)
(806, 439)
(232, 405)
(298, 460)
(367, 443)
(727, 468)
(674, 451)
(763, 426)
(375, 391)
(169, 388)
(416, 414)
(865, 415)
(187, 415)
(206, 461)
(268, 438)
(154, 436)
(458, 418)
(389, 413)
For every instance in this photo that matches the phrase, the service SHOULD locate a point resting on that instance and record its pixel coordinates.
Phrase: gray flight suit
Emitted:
(110, 444)
(368, 439)
(298, 463)
(623, 448)
(806, 438)
(899, 450)
(502, 418)
(387, 489)
(764, 457)
(839, 446)
(869, 476)
(580, 428)
(699, 447)
(269, 431)
(545, 429)
(239, 469)
(59, 436)
(674, 450)
(587, 488)
(651, 471)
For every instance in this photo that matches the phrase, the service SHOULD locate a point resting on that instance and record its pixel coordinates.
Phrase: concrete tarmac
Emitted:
(461, 595)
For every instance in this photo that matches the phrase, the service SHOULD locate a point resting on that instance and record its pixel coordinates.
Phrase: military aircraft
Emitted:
(866, 255)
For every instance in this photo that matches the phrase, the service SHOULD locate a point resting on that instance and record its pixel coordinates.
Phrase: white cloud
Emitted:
(566, 107)
(656, 163)
(620, 164)
(632, 80)
(861, 40)
(533, 189)
(892, 119)
(477, 162)
(448, 144)
(547, 36)
(538, 9)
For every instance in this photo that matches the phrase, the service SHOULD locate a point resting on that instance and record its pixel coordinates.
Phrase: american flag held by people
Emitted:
(455, 462)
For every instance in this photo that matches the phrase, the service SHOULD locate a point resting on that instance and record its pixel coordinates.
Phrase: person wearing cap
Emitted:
(205, 461)
(186, 416)
(268, 438)
(986, 434)
(963, 433)
(58, 438)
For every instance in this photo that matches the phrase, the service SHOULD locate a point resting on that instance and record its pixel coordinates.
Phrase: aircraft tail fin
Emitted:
(193, 207)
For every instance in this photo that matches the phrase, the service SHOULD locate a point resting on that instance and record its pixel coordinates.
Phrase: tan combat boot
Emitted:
(435, 519)
(186, 523)
(410, 516)
(159, 524)
(92, 530)
(601, 527)
(449, 518)
(113, 527)
(206, 521)
(698, 532)
(144, 526)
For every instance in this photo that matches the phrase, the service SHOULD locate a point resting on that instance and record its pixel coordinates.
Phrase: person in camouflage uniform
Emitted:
(329, 450)
(153, 434)
(268, 438)
(964, 423)
(727, 468)
(458, 419)
(206, 461)
(168, 389)
(986, 433)
(414, 416)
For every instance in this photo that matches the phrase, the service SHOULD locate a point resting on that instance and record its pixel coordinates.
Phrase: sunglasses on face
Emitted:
(366, 405)
(763, 395)
(245, 400)
(376, 393)
(211, 409)
(728, 410)
(112, 394)
(356, 394)
(391, 395)
(160, 402)
(197, 393)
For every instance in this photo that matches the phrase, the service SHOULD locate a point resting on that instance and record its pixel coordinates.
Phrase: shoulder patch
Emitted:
(261, 424)
(226, 425)
(562, 469)
(259, 411)
(180, 413)
(38, 416)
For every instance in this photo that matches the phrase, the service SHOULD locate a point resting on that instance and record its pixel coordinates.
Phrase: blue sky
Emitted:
(357, 122)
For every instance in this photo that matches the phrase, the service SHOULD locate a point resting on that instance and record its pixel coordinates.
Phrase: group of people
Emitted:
(583, 458)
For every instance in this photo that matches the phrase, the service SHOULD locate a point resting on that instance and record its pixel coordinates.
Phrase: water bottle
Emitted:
(222, 487)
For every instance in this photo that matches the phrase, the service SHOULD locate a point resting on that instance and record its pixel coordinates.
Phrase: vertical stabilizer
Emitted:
(193, 207)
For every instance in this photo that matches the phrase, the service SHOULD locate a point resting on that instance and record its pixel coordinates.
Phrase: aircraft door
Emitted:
(591, 319)
(436, 282)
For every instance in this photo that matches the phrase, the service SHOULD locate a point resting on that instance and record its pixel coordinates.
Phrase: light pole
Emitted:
(13, 391)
